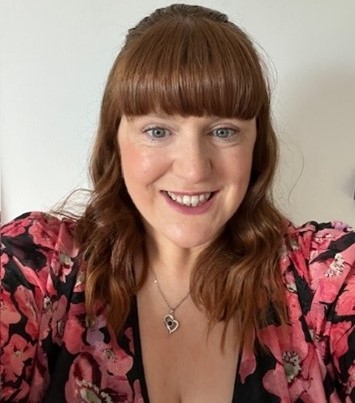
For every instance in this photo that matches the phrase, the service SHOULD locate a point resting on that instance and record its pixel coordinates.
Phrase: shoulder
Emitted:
(36, 233)
(312, 237)
(39, 229)
(321, 242)
(322, 255)
(38, 275)
(36, 250)
(319, 271)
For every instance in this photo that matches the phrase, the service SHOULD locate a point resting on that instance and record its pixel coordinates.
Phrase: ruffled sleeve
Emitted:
(329, 271)
(37, 252)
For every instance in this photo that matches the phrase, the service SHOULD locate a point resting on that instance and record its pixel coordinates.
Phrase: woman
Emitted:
(181, 282)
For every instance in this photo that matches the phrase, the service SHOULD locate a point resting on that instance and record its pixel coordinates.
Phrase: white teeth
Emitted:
(194, 201)
(190, 201)
(186, 200)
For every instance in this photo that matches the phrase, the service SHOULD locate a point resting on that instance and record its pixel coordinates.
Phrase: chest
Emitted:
(188, 365)
(187, 368)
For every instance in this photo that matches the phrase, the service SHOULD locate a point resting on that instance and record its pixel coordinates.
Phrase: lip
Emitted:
(189, 193)
(190, 210)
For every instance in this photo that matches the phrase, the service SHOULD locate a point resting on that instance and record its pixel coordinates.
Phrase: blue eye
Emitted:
(156, 132)
(224, 132)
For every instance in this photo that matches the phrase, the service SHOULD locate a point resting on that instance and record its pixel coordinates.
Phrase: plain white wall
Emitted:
(55, 56)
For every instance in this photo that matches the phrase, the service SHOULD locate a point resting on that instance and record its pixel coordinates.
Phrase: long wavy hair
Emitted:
(187, 60)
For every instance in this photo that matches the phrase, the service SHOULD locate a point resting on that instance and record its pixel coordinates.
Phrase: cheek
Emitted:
(138, 166)
(242, 164)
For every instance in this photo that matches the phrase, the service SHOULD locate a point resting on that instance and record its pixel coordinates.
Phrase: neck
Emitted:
(172, 267)
(170, 261)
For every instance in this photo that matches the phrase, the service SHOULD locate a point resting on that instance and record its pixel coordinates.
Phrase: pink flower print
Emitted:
(291, 363)
(16, 228)
(111, 358)
(91, 393)
(65, 259)
(8, 312)
(4, 260)
(108, 354)
(114, 361)
(307, 385)
(283, 252)
(321, 345)
(274, 381)
(129, 334)
(305, 237)
(294, 244)
(73, 333)
(317, 274)
(296, 379)
(328, 290)
(38, 279)
(65, 238)
(8, 392)
(247, 365)
(80, 280)
(291, 287)
(351, 380)
(137, 392)
(339, 225)
(94, 337)
(346, 304)
(83, 368)
(40, 236)
(62, 265)
(338, 337)
(28, 308)
(320, 243)
(89, 383)
(8, 315)
(336, 268)
(14, 355)
(53, 317)
(292, 353)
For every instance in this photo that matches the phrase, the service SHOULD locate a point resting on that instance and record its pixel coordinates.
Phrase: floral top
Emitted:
(50, 353)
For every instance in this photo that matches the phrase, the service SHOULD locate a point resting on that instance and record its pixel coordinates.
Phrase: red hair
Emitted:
(187, 60)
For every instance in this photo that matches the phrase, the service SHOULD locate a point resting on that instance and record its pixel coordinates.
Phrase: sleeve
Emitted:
(342, 319)
(29, 272)
(332, 276)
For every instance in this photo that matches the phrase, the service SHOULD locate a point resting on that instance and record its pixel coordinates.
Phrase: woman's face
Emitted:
(186, 175)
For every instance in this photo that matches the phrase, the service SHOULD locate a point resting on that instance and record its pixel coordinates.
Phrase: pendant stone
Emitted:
(171, 323)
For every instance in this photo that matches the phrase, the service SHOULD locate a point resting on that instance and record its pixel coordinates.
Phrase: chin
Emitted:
(189, 242)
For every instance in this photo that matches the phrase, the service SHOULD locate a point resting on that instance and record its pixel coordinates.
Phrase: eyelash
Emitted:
(232, 133)
(151, 136)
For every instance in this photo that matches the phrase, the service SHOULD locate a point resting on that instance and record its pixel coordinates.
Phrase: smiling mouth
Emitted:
(190, 200)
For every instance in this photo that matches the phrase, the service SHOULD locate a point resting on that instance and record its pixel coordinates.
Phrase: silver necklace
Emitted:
(170, 322)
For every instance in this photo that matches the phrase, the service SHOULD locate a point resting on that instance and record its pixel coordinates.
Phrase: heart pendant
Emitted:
(171, 323)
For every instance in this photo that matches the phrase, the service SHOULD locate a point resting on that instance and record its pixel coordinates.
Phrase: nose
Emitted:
(193, 161)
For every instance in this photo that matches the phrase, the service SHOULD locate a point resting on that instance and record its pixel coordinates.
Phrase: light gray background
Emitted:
(55, 56)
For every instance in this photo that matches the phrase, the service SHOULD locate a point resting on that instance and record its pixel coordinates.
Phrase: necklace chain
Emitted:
(170, 322)
(162, 293)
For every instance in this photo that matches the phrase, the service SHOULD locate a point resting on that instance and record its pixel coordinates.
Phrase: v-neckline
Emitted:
(138, 356)
(138, 360)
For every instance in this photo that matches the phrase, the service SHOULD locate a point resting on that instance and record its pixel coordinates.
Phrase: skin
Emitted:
(185, 155)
